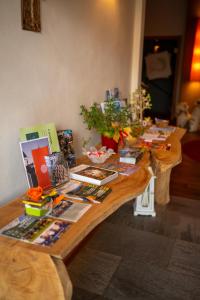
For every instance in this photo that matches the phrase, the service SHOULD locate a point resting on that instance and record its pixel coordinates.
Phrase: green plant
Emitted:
(106, 123)
(137, 129)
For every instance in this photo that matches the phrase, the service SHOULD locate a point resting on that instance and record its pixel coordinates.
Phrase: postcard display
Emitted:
(47, 154)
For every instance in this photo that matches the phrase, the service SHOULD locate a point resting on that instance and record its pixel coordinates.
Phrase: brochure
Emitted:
(70, 211)
(41, 231)
(122, 168)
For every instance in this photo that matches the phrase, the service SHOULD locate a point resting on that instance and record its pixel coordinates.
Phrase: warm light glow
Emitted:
(197, 51)
(195, 66)
(156, 48)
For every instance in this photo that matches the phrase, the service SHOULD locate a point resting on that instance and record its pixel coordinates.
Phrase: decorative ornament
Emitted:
(139, 101)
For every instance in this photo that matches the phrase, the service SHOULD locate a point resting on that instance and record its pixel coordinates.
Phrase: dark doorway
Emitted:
(160, 85)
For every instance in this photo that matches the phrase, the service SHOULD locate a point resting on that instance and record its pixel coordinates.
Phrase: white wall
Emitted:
(137, 46)
(84, 49)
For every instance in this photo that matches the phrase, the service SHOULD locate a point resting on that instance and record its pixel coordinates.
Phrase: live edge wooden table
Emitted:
(30, 271)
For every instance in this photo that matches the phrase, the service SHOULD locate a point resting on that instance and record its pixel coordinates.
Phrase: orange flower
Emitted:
(35, 193)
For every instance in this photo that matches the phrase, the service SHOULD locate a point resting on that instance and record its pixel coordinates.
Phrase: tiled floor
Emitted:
(131, 257)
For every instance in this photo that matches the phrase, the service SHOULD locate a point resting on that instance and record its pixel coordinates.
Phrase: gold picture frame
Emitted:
(31, 15)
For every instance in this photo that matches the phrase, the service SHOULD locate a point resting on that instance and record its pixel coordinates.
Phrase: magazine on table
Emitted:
(122, 168)
(91, 174)
(70, 211)
(40, 231)
(85, 191)
(130, 155)
(157, 133)
(168, 130)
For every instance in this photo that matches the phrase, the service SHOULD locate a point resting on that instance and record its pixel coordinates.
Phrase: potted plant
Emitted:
(112, 124)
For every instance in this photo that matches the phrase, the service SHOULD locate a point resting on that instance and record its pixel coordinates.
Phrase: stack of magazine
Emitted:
(85, 191)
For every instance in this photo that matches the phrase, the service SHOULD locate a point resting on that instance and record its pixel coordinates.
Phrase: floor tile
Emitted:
(146, 281)
(127, 281)
(177, 220)
(185, 259)
(128, 242)
(82, 294)
(141, 257)
(92, 270)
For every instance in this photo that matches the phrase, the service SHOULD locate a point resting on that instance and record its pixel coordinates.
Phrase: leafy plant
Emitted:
(106, 122)
(137, 129)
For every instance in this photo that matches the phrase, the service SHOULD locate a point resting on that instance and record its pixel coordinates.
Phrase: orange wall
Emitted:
(190, 91)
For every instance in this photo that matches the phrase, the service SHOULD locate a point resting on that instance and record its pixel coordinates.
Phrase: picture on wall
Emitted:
(31, 15)
(33, 155)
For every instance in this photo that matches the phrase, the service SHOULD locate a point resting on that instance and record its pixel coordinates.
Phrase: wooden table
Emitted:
(163, 162)
(124, 188)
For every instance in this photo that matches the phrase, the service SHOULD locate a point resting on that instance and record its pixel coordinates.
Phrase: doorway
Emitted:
(159, 73)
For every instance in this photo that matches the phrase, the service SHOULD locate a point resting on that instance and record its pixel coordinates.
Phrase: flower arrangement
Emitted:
(112, 123)
(139, 101)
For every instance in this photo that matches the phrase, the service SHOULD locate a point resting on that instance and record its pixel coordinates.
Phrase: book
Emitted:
(65, 138)
(33, 152)
(69, 211)
(130, 155)
(85, 191)
(57, 168)
(158, 133)
(91, 174)
(122, 168)
(41, 130)
(151, 136)
(168, 130)
(41, 167)
(41, 231)
(39, 203)
(36, 210)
